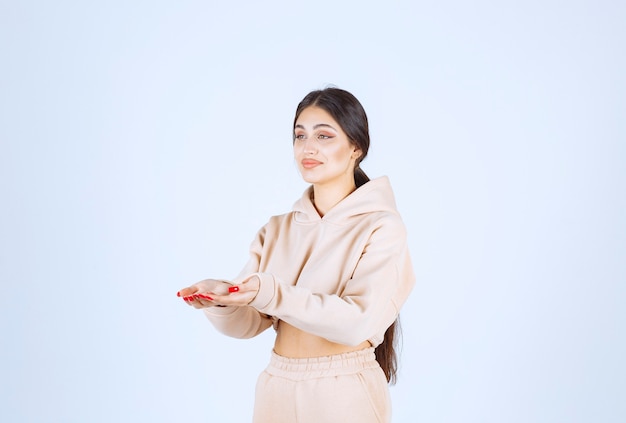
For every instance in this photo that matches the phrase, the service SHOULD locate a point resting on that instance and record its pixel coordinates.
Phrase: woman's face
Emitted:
(322, 150)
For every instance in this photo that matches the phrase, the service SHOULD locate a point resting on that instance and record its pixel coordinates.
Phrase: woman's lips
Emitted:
(310, 163)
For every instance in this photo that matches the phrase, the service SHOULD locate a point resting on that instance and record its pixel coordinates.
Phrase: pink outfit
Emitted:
(343, 277)
(348, 387)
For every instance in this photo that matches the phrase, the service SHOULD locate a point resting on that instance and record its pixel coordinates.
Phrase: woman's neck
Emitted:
(325, 197)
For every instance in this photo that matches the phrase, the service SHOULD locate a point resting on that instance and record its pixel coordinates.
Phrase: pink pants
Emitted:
(341, 388)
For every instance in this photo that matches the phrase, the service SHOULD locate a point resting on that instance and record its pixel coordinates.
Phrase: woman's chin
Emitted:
(309, 180)
(308, 177)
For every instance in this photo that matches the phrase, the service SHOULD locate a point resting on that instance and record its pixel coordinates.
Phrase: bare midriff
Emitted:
(294, 343)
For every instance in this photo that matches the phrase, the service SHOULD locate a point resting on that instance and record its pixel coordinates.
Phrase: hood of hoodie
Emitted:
(371, 197)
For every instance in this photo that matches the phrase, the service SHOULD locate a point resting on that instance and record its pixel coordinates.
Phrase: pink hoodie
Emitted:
(343, 277)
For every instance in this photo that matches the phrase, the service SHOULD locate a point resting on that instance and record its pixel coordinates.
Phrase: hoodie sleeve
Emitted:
(246, 321)
(368, 304)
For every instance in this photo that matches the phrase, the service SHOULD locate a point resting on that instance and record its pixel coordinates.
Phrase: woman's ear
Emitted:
(356, 153)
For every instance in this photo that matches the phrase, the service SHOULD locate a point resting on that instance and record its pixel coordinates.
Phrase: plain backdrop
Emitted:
(143, 143)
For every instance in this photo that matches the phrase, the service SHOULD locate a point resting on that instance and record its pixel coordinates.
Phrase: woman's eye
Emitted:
(324, 137)
(299, 136)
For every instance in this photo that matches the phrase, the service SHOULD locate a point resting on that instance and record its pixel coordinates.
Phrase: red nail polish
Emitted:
(178, 294)
(233, 289)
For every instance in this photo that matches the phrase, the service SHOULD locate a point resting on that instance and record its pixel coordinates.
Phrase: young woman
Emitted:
(330, 277)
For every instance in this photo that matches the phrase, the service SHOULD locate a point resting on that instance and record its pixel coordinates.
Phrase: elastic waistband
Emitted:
(332, 365)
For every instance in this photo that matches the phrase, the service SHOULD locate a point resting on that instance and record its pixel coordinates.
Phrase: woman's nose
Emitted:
(310, 146)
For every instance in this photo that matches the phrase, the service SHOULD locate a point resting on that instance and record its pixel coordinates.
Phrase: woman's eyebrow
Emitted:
(324, 125)
(319, 125)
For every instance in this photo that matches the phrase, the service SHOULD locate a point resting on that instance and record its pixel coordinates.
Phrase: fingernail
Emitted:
(178, 294)
(187, 298)
(233, 289)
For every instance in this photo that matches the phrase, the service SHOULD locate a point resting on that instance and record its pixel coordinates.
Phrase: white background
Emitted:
(143, 143)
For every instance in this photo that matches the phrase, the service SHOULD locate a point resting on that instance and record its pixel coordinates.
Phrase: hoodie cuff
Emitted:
(267, 291)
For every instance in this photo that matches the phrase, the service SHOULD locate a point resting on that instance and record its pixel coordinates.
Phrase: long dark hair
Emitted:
(350, 115)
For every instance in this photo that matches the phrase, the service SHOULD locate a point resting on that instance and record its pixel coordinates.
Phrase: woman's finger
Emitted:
(186, 292)
(189, 300)
(250, 285)
(195, 299)
(236, 298)
(203, 300)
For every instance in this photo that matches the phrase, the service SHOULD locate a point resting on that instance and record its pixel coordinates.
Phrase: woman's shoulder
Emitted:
(279, 220)
(388, 220)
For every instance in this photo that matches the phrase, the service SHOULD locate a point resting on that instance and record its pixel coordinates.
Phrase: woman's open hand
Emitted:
(200, 295)
(212, 292)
